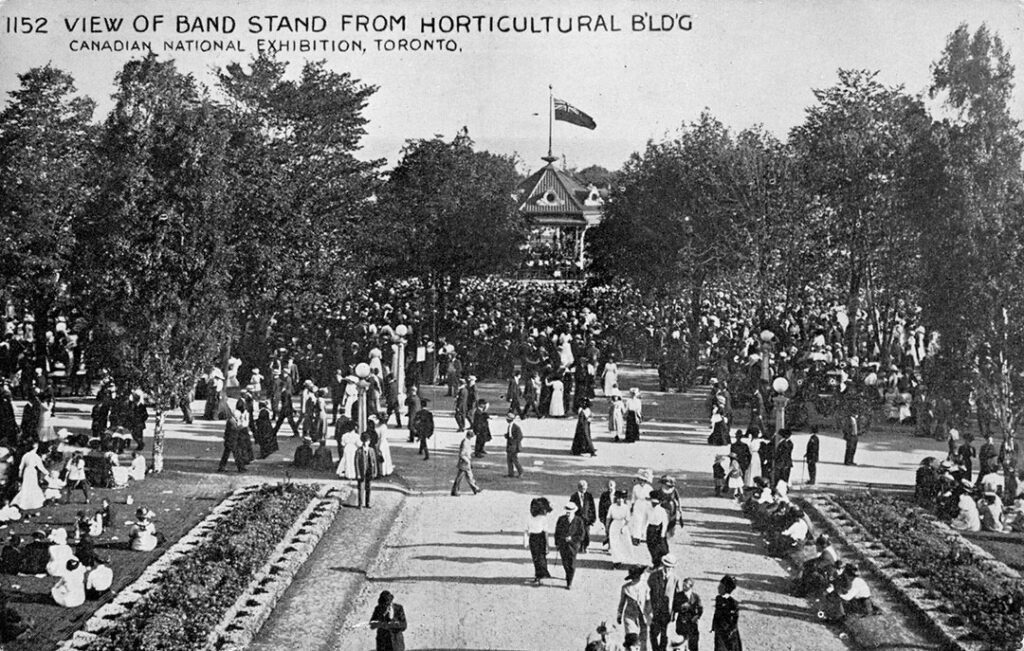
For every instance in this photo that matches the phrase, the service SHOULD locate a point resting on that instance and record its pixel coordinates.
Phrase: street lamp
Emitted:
(780, 385)
(399, 363)
(362, 372)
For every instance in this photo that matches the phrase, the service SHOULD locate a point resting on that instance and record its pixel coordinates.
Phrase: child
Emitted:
(735, 481)
(718, 471)
(54, 487)
(107, 513)
(137, 470)
(82, 524)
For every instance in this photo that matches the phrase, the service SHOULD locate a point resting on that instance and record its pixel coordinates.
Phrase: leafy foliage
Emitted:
(154, 242)
(190, 599)
(45, 147)
(993, 605)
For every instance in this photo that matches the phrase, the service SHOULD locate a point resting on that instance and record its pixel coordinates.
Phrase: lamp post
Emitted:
(362, 372)
(399, 361)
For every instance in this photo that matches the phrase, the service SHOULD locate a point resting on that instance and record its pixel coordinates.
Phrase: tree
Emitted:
(301, 195)
(450, 215)
(673, 224)
(155, 245)
(852, 149)
(45, 146)
(597, 176)
(972, 228)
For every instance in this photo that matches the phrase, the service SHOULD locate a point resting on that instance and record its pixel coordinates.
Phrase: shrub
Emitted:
(191, 597)
(991, 605)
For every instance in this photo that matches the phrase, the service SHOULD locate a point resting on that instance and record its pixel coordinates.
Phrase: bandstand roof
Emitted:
(554, 197)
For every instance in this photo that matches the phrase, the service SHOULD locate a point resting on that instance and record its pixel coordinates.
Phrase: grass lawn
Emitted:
(180, 501)
(1006, 547)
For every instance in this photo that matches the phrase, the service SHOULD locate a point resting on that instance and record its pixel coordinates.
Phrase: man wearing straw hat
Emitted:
(569, 532)
(664, 590)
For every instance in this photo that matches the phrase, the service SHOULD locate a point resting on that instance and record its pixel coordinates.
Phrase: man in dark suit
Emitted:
(513, 445)
(413, 403)
(461, 405)
(514, 393)
(783, 457)
(569, 533)
(688, 609)
(286, 411)
(811, 455)
(232, 445)
(851, 433)
(423, 428)
(366, 469)
(389, 621)
(584, 501)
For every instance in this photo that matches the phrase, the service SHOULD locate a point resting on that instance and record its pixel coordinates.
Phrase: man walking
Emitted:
(461, 405)
(811, 455)
(412, 402)
(423, 429)
(366, 470)
(514, 393)
(513, 445)
(569, 532)
(688, 610)
(664, 587)
(286, 411)
(465, 466)
(851, 432)
(584, 502)
(783, 458)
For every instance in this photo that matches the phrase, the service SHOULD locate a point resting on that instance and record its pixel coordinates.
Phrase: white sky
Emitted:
(748, 62)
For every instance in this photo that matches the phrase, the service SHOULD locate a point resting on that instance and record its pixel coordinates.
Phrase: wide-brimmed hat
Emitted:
(668, 560)
(570, 507)
(645, 473)
(665, 479)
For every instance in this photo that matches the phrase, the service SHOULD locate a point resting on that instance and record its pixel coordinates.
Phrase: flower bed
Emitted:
(991, 605)
(194, 593)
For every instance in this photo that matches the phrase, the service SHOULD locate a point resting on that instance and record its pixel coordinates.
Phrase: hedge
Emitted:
(991, 605)
(191, 597)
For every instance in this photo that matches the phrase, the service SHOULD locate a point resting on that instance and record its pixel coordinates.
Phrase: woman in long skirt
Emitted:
(610, 378)
(349, 445)
(581, 442)
(634, 604)
(387, 466)
(264, 432)
(616, 416)
(634, 415)
(753, 442)
(556, 409)
(44, 427)
(537, 537)
(725, 624)
(620, 541)
(30, 496)
(640, 506)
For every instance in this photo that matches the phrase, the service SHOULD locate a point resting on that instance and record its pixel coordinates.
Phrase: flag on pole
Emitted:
(566, 112)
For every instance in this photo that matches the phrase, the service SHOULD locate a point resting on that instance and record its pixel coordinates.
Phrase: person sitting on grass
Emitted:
(794, 533)
(819, 572)
(118, 473)
(968, 518)
(10, 556)
(59, 553)
(991, 508)
(35, 555)
(323, 460)
(9, 512)
(70, 590)
(137, 470)
(142, 535)
(108, 513)
(304, 454)
(54, 487)
(99, 577)
(12, 625)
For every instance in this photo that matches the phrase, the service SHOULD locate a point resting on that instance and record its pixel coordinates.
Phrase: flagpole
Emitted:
(551, 114)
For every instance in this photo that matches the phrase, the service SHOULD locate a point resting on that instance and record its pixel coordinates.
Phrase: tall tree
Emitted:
(301, 194)
(155, 244)
(673, 224)
(852, 149)
(45, 145)
(972, 223)
(441, 204)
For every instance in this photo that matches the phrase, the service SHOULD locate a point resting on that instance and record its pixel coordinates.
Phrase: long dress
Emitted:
(581, 442)
(755, 462)
(634, 604)
(44, 428)
(620, 543)
(726, 624)
(30, 496)
(557, 408)
(617, 418)
(388, 465)
(611, 379)
(349, 445)
(638, 514)
(633, 418)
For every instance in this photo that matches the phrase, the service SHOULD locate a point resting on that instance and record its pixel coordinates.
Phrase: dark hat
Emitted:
(728, 582)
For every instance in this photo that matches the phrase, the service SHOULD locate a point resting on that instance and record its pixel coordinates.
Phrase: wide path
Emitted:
(459, 567)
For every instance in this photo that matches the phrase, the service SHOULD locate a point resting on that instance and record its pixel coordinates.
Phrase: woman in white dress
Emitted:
(640, 503)
(753, 443)
(617, 416)
(44, 429)
(557, 408)
(234, 364)
(620, 540)
(30, 496)
(387, 466)
(349, 445)
(610, 378)
(60, 552)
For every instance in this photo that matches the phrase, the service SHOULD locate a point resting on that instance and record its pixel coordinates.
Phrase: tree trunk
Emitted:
(852, 308)
(158, 441)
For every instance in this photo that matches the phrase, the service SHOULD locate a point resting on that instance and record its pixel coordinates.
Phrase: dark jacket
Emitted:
(585, 508)
(784, 454)
(366, 463)
(390, 629)
(514, 438)
(813, 446)
(569, 535)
